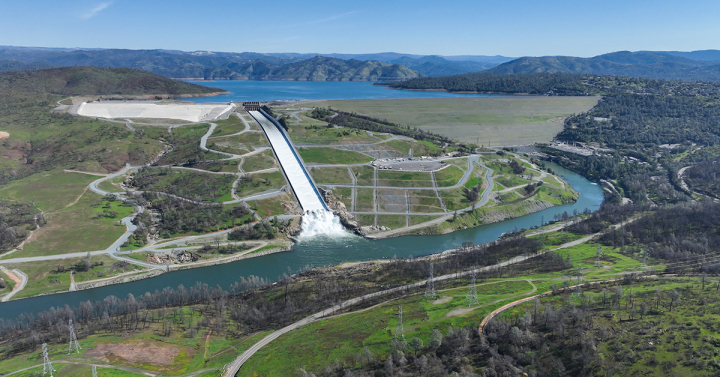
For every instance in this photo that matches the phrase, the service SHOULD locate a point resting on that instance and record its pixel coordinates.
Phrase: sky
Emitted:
(500, 27)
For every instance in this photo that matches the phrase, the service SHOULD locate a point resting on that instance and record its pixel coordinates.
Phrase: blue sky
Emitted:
(501, 27)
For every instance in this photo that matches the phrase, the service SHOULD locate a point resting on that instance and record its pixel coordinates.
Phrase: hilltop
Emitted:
(656, 65)
(71, 81)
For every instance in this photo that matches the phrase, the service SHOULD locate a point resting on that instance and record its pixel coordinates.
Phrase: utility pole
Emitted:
(47, 365)
(430, 286)
(399, 332)
(73, 339)
(94, 371)
(471, 298)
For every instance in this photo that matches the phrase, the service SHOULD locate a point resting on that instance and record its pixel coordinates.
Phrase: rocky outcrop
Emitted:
(338, 208)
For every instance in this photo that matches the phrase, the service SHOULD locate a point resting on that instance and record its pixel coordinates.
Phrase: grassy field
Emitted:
(331, 175)
(260, 182)
(404, 179)
(238, 144)
(273, 206)
(414, 220)
(49, 190)
(490, 120)
(229, 126)
(87, 225)
(364, 175)
(392, 221)
(365, 201)
(316, 345)
(261, 161)
(449, 176)
(424, 201)
(322, 155)
(313, 131)
(54, 276)
(184, 351)
(112, 185)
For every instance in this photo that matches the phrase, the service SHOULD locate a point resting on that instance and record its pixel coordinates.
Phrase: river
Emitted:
(313, 90)
(318, 252)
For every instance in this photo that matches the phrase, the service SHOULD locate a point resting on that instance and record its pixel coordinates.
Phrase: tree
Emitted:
(435, 339)
(674, 297)
(416, 344)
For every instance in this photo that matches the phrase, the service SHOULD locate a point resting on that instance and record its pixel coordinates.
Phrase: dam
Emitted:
(297, 176)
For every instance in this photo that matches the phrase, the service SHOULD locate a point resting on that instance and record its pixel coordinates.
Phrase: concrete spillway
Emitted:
(291, 165)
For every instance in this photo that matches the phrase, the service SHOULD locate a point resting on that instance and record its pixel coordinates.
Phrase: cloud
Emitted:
(327, 19)
(92, 12)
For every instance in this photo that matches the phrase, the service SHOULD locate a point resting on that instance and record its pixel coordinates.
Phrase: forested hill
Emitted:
(481, 82)
(71, 81)
(568, 84)
(656, 65)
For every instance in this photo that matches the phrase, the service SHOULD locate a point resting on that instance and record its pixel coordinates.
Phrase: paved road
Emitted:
(18, 287)
(232, 368)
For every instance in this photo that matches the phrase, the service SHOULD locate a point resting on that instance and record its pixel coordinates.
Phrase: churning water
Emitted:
(322, 223)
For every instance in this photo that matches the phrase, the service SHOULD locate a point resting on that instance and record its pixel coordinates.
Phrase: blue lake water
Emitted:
(312, 90)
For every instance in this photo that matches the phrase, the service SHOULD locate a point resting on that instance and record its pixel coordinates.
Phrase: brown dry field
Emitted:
(494, 121)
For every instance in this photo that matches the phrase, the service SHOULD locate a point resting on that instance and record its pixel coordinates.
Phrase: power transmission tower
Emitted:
(644, 256)
(47, 365)
(399, 332)
(430, 286)
(471, 298)
(598, 256)
(73, 338)
(94, 371)
(579, 275)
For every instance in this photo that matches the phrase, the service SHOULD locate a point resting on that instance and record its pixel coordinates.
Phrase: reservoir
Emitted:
(313, 90)
(317, 252)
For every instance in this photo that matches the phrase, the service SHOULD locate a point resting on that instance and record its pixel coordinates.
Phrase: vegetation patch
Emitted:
(274, 206)
(364, 175)
(193, 185)
(260, 161)
(93, 223)
(49, 190)
(238, 144)
(365, 200)
(424, 201)
(392, 221)
(404, 179)
(185, 142)
(449, 176)
(483, 120)
(324, 155)
(331, 175)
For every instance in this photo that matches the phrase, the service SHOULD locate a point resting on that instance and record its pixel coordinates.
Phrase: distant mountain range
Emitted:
(249, 65)
(671, 65)
(385, 66)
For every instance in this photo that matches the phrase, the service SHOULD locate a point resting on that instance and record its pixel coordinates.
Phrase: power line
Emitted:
(471, 297)
(399, 332)
(73, 338)
(47, 365)
(430, 286)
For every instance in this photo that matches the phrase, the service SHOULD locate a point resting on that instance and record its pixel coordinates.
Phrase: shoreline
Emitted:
(141, 275)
